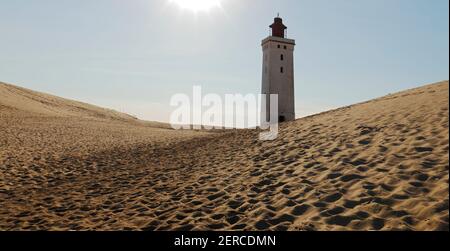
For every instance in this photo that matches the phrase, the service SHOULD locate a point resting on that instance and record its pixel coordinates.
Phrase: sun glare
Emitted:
(197, 5)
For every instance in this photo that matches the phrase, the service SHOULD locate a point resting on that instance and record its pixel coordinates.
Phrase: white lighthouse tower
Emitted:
(278, 71)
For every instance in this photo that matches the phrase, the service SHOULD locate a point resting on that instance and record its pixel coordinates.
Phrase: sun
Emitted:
(197, 5)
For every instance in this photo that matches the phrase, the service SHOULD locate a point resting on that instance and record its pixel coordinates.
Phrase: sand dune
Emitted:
(36, 103)
(378, 165)
(18, 101)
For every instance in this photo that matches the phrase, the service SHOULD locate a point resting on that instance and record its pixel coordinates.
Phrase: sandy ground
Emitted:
(379, 165)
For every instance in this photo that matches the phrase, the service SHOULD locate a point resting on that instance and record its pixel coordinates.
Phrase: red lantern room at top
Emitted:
(278, 28)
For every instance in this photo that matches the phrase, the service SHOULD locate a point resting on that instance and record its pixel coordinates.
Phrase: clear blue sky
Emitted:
(132, 55)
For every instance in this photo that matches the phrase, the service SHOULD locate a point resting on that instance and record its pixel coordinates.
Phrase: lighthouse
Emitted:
(278, 71)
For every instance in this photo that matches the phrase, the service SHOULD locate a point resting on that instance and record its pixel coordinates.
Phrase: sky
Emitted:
(134, 55)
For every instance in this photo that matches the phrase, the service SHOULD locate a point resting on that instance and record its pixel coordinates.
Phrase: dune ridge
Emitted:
(378, 165)
(37, 103)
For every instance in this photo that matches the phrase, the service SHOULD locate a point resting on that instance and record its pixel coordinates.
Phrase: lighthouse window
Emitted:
(279, 46)
(282, 57)
(281, 69)
(285, 47)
